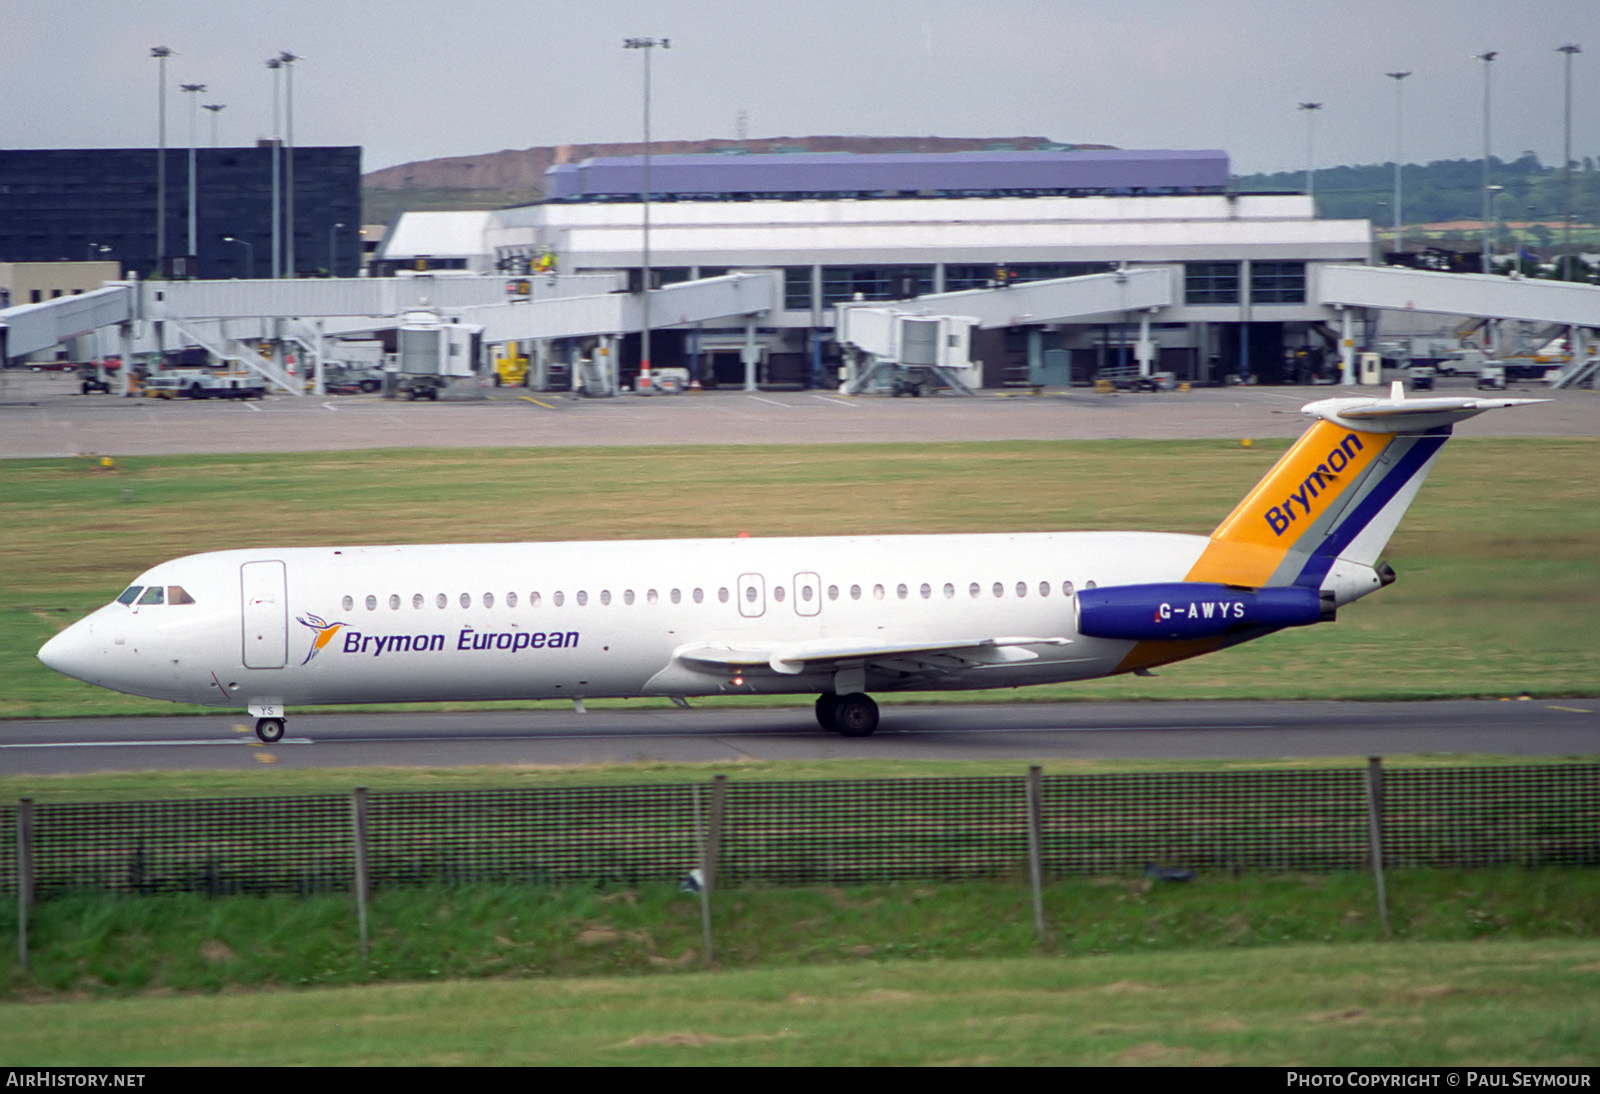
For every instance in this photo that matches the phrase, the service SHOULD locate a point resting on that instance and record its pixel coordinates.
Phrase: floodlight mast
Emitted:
(647, 45)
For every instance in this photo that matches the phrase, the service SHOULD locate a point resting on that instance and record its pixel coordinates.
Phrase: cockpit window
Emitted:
(153, 595)
(176, 594)
(130, 594)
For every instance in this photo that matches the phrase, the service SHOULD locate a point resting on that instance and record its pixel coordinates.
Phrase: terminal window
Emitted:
(1211, 282)
(1278, 282)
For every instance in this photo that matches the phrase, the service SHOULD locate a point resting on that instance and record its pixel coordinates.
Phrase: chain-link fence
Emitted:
(833, 832)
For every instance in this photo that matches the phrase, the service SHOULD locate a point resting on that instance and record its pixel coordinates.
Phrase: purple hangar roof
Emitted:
(1153, 171)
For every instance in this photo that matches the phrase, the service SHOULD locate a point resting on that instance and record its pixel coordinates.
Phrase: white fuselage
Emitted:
(302, 626)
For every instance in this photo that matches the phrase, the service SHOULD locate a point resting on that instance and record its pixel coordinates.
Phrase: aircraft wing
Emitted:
(792, 659)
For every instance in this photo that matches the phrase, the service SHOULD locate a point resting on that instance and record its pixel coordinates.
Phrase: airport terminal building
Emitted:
(846, 228)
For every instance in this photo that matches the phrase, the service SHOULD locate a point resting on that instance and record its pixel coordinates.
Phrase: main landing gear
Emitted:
(847, 715)
(270, 730)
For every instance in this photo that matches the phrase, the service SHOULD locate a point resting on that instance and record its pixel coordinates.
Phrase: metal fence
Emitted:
(834, 832)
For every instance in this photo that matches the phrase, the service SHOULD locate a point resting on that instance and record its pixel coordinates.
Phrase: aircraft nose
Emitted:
(70, 653)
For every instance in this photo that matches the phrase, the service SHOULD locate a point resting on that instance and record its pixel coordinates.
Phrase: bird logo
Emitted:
(325, 632)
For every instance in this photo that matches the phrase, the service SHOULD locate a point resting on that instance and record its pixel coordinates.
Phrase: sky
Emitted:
(418, 79)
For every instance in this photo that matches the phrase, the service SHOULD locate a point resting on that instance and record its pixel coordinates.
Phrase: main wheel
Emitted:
(854, 715)
(825, 704)
(270, 730)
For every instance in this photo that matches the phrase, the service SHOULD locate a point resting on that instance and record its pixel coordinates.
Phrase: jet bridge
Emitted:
(893, 337)
(224, 316)
(1482, 296)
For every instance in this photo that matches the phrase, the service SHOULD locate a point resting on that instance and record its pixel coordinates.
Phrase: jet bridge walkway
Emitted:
(221, 316)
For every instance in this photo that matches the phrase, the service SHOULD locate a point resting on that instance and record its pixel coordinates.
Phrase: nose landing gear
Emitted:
(270, 730)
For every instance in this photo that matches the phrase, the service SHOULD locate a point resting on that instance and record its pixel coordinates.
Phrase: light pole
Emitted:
(332, 252)
(1487, 59)
(1399, 151)
(194, 121)
(1566, 161)
(277, 199)
(1494, 190)
(215, 108)
(645, 44)
(1310, 112)
(288, 59)
(249, 254)
(161, 53)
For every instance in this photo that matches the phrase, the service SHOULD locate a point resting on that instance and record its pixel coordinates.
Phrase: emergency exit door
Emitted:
(264, 609)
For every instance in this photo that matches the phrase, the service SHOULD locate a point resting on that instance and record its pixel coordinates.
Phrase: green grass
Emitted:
(1493, 966)
(1499, 558)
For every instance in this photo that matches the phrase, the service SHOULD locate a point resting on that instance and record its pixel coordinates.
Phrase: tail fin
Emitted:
(1338, 493)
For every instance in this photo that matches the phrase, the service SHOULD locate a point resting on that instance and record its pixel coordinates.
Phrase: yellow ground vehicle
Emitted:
(511, 369)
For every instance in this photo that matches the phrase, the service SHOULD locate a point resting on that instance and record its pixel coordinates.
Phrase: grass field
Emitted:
(1499, 559)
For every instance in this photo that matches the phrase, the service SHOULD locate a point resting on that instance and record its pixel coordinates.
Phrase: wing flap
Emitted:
(792, 659)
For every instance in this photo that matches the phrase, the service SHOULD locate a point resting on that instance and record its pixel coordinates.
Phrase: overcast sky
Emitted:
(416, 79)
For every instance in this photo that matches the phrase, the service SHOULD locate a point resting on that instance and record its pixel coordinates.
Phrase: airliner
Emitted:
(267, 629)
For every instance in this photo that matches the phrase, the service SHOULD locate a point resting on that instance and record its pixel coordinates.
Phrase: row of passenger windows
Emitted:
(751, 595)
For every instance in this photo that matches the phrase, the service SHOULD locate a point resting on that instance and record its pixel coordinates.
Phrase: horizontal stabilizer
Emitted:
(1397, 414)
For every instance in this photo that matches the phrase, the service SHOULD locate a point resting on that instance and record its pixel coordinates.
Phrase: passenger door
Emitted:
(264, 609)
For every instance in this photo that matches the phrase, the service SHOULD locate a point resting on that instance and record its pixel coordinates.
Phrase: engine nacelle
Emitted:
(1194, 609)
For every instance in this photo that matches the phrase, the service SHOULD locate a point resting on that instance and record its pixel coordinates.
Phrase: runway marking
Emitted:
(769, 402)
(531, 399)
(153, 744)
(837, 402)
(330, 406)
(1574, 710)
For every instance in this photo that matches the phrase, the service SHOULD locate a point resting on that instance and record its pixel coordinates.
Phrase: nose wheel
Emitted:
(270, 730)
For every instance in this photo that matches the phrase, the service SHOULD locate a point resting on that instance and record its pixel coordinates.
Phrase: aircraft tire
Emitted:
(854, 715)
(270, 730)
(825, 705)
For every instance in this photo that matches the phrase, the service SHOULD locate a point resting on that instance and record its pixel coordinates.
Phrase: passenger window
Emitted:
(855, 592)
(1022, 588)
(583, 597)
(372, 603)
(347, 603)
(651, 597)
(1066, 588)
(833, 592)
(676, 596)
(750, 593)
(416, 601)
(605, 596)
(558, 598)
(975, 590)
(805, 593)
(627, 596)
(155, 594)
(466, 600)
(699, 597)
(1044, 588)
(442, 601)
(900, 591)
(533, 600)
(1089, 585)
(511, 600)
(999, 589)
(177, 595)
(722, 595)
(949, 591)
(777, 593)
(926, 590)
(131, 593)
(877, 592)
(488, 600)
(394, 602)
